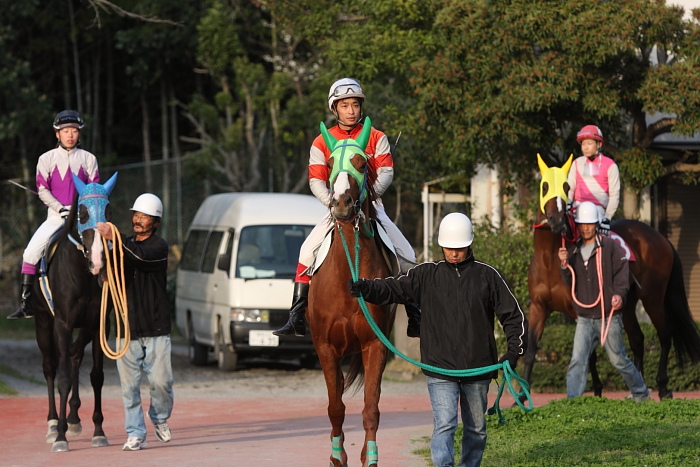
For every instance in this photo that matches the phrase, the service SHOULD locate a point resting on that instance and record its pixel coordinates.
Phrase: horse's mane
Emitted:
(70, 224)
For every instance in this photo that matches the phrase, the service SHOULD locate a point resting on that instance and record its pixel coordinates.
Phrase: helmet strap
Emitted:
(362, 114)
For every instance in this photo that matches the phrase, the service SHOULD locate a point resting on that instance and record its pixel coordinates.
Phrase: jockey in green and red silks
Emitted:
(345, 100)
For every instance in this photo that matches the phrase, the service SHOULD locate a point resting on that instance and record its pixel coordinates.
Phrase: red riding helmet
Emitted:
(589, 132)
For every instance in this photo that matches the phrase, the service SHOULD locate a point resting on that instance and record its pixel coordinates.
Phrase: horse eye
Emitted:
(545, 188)
(108, 213)
(83, 214)
(567, 187)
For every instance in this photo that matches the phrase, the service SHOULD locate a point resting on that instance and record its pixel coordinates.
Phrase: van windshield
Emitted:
(270, 251)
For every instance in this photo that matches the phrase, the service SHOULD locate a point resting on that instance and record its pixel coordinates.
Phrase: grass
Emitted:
(589, 430)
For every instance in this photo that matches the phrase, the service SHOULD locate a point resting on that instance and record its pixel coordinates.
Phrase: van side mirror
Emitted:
(224, 263)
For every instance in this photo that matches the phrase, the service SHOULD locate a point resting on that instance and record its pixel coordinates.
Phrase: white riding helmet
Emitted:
(455, 231)
(342, 89)
(587, 213)
(149, 204)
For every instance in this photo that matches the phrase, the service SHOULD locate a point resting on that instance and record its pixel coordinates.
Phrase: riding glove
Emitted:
(512, 358)
(604, 226)
(357, 287)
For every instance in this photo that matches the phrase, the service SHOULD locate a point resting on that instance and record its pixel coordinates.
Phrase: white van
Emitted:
(236, 276)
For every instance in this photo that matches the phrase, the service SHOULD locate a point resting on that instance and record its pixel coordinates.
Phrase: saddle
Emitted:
(388, 249)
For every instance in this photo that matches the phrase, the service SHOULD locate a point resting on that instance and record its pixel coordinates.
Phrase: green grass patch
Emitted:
(589, 430)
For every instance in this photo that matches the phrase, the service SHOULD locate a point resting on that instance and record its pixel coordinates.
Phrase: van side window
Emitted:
(192, 253)
(211, 252)
(266, 251)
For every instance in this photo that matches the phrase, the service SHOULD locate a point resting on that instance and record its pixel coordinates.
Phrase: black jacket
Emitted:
(458, 305)
(145, 265)
(615, 276)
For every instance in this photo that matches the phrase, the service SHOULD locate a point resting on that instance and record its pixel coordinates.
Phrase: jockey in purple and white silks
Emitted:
(595, 177)
(54, 182)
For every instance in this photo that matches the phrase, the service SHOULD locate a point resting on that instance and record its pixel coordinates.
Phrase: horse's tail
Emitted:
(684, 331)
(356, 373)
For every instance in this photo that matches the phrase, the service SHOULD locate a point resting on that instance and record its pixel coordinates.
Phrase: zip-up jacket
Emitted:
(458, 304)
(615, 276)
(145, 265)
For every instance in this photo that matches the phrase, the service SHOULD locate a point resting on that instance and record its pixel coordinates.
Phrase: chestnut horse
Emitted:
(71, 301)
(338, 326)
(656, 278)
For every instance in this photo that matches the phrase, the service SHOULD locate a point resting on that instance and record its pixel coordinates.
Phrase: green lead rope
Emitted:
(508, 373)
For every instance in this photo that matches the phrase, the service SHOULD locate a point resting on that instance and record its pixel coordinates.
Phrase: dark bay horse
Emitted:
(656, 278)
(338, 326)
(67, 297)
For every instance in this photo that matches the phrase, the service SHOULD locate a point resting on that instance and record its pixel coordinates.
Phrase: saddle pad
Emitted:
(629, 254)
(389, 250)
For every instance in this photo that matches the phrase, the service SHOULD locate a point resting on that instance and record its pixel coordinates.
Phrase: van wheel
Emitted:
(197, 353)
(226, 358)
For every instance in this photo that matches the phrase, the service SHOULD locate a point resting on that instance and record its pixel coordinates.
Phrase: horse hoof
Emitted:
(74, 429)
(60, 446)
(99, 441)
(52, 434)
(665, 394)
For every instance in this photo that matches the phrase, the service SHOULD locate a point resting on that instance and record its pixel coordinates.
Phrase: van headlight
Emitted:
(248, 315)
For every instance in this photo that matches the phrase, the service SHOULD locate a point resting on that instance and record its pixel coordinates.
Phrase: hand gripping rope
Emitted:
(604, 329)
(115, 284)
(508, 373)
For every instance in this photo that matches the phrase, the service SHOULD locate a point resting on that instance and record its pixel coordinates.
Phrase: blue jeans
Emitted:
(152, 356)
(445, 397)
(586, 338)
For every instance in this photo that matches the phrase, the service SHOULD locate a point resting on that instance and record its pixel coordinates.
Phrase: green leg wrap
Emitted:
(372, 453)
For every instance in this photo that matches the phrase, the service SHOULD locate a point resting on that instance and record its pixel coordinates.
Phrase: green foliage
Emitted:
(639, 167)
(508, 249)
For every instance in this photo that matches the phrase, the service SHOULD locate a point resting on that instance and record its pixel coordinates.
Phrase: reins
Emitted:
(508, 373)
(116, 285)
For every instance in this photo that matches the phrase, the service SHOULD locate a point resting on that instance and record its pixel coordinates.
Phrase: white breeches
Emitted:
(310, 247)
(35, 248)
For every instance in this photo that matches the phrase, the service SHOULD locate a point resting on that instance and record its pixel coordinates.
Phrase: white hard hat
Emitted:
(343, 89)
(455, 231)
(149, 204)
(587, 213)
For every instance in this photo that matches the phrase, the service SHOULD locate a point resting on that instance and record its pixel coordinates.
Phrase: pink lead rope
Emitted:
(599, 269)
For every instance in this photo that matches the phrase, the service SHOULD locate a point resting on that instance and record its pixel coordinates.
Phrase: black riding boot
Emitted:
(413, 313)
(24, 310)
(295, 324)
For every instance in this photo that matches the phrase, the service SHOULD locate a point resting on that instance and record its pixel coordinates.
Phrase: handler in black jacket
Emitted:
(459, 298)
(145, 264)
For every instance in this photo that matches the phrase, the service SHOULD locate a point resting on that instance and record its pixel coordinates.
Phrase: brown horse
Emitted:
(656, 278)
(338, 326)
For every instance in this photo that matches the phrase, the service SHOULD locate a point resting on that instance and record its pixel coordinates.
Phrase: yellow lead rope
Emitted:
(115, 284)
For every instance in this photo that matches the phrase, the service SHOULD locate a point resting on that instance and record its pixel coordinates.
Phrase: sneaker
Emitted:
(134, 444)
(163, 432)
(643, 398)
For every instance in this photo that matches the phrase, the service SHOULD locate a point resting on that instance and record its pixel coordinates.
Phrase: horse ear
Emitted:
(79, 185)
(363, 139)
(327, 137)
(109, 184)
(541, 164)
(567, 165)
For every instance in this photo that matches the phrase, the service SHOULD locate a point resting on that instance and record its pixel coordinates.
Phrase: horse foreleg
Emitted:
(62, 337)
(76, 358)
(536, 322)
(374, 361)
(44, 339)
(97, 378)
(335, 381)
